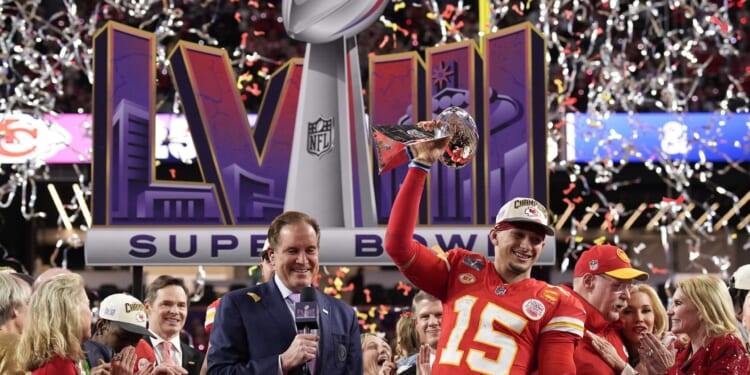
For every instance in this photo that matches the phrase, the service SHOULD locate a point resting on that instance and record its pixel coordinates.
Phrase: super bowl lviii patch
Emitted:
(474, 263)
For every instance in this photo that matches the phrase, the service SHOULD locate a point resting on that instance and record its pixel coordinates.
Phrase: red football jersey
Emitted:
(490, 327)
(208, 324)
(144, 355)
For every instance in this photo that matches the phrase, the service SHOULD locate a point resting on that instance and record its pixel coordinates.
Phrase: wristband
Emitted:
(415, 164)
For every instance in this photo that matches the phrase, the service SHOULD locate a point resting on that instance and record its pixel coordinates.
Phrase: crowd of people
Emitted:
(472, 315)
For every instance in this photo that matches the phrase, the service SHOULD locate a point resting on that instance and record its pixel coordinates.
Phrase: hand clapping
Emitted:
(655, 355)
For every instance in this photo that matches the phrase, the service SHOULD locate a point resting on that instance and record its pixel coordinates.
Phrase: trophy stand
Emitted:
(330, 170)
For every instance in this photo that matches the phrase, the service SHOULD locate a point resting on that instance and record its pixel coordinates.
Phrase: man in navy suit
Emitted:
(254, 330)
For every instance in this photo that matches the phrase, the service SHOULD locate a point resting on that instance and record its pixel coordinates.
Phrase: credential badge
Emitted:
(320, 136)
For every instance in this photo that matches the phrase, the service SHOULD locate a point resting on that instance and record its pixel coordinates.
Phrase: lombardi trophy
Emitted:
(330, 161)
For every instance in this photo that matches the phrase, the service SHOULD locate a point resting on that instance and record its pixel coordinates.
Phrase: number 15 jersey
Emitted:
(490, 327)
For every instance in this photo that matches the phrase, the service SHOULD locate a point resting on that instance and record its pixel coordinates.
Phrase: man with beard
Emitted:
(496, 318)
(121, 324)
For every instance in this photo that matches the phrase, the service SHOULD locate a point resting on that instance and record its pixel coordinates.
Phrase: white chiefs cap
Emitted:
(126, 311)
(741, 277)
(528, 210)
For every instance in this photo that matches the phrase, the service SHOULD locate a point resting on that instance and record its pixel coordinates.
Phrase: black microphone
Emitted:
(306, 315)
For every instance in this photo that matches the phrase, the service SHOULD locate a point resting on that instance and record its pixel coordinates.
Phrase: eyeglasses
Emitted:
(618, 285)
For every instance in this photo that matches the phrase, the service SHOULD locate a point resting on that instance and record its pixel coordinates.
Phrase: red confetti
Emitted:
(723, 25)
(570, 188)
(254, 89)
(448, 12)
(382, 44)
(383, 311)
(348, 288)
(679, 199)
(405, 287)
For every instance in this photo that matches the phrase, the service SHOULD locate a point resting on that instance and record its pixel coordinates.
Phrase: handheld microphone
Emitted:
(306, 315)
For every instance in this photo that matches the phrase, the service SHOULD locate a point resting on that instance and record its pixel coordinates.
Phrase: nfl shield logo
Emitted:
(320, 136)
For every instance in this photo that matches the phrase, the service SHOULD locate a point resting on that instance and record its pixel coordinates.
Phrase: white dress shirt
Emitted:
(176, 349)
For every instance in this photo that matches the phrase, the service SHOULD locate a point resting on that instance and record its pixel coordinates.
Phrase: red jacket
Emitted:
(57, 366)
(721, 355)
(587, 359)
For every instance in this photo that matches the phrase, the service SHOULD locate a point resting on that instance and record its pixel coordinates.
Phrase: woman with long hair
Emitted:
(701, 310)
(14, 307)
(643, 313)
(377, 357)
(60, 320)
(407, 337)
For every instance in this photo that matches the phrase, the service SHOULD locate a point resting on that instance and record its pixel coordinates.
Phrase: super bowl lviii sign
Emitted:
(247, 169)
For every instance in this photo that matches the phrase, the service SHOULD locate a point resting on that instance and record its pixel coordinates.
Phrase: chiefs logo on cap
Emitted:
(532, 212)
(623, 257)
(140, 316)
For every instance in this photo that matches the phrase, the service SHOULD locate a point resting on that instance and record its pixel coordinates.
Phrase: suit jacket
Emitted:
(192, 359)
(253, 326)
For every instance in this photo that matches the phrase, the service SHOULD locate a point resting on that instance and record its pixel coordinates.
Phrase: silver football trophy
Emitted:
(330, 172)
(454, 122)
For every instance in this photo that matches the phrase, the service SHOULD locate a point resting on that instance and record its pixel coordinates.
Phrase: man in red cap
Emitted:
(496, 318)
(602, 280)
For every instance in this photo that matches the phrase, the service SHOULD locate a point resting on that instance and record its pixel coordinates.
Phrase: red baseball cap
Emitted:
(609, 260)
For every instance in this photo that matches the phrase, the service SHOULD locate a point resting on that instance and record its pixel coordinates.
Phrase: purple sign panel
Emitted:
(222, 219)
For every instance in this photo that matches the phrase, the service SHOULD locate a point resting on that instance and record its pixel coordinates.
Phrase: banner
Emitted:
(246, 175)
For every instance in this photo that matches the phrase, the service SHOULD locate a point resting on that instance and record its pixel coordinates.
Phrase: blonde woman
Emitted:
(702, 310)
(643, 313)
(14, 307)
(59, 310)
(377, 358)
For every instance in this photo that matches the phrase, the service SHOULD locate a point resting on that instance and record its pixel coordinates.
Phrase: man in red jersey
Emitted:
(496, 318)
(601, 280)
